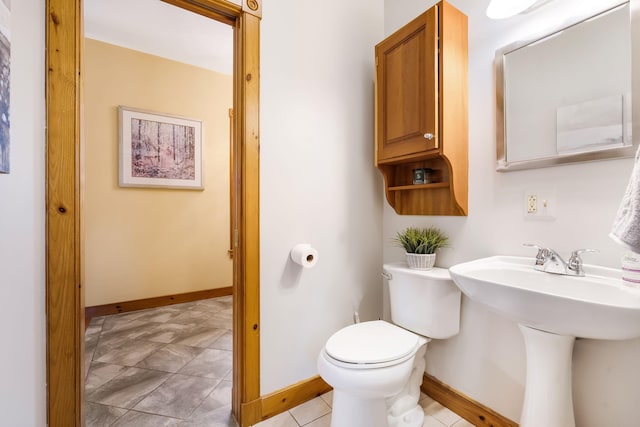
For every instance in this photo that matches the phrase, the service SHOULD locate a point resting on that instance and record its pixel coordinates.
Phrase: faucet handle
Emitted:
(532, 245)
(575, 261)
(577, 252)
(543, 253)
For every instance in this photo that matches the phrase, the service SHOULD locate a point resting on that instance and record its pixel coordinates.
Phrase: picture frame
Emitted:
(5, 86)
(158, 150)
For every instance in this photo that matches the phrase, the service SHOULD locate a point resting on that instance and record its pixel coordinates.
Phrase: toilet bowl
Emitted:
(376, 367)
(366, 364)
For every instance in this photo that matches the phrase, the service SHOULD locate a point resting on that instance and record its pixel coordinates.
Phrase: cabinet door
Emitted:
(407, 89)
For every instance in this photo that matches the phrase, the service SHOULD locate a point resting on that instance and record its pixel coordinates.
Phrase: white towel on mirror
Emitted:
(626, 227)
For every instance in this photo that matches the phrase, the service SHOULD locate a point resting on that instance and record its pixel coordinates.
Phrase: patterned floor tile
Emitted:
(221, 417)
(191, 317)
(324, 421)
(140, 419)
(463, 423)
(170, 358)
(225, 342)
(100, 374)
(211, 305)
(97, 415)
(178, 396)
(128, 388)
(211, 363)
(124, 352)
(310, 411)
(284, 419)
(167, 332)
(328, 398)
(219, 398)
(219, 320)
(131, 360)
(442, 414)
(201, 336)
(97, 321)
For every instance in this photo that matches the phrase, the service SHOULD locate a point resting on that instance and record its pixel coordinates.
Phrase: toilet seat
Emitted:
(372, 344)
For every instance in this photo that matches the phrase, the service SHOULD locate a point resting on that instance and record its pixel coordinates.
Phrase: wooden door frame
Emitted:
(64, 147)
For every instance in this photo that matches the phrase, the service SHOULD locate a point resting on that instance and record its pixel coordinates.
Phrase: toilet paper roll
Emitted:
(303, 254)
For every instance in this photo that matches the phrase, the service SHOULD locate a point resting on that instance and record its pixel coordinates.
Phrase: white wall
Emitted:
(318, 183)
(486, 360)
(22, 317)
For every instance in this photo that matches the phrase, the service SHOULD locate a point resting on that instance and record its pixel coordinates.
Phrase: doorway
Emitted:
(155, 210)
(64, 296)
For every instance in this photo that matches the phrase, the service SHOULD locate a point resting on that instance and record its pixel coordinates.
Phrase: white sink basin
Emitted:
(552, 310)
(597, 306)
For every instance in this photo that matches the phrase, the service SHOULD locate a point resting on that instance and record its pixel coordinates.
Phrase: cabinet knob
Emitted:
(428, 136)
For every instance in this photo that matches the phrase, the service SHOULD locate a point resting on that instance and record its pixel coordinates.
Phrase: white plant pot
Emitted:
(421, 261)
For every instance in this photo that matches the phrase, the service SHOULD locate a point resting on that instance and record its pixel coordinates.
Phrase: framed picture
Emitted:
(5, 85)
(159, 150)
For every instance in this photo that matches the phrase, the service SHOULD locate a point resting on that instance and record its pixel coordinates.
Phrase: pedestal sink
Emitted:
(551, 310)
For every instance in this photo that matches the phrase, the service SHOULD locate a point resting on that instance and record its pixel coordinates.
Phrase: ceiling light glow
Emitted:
(499, 9)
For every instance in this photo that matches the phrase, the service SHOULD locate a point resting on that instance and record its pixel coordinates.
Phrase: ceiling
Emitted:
(160, 29)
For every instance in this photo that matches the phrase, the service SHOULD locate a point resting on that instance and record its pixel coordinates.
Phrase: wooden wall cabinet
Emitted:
(422, 114)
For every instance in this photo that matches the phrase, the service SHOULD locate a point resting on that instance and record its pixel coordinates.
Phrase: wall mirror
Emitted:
(566, 96)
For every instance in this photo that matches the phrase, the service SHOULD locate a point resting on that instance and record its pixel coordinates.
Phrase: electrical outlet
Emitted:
(532, 203)
(539, 204)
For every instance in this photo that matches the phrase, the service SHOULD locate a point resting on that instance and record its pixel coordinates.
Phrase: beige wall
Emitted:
(139, 242)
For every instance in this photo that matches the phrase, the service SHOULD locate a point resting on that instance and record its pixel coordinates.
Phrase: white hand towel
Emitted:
(626, 227)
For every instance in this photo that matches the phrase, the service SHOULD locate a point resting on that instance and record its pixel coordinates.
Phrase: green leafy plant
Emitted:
(417, 240)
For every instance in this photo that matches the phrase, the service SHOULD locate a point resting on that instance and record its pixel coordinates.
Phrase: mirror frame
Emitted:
(503, 165)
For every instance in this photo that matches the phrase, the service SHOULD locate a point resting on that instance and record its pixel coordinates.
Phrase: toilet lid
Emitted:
(371, 342)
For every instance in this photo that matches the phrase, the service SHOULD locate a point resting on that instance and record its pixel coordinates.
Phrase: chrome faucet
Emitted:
(550, 261)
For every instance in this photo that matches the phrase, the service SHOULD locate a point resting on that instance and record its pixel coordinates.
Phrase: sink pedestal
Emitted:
(596, 306)
(547, 399)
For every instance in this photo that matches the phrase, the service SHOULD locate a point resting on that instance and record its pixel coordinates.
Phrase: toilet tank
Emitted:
(426, 302)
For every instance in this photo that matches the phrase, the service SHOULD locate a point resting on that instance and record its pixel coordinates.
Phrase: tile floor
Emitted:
(317, 413)
(168, 366)
(171, 367)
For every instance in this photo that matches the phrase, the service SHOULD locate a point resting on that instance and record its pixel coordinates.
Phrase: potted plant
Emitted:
(420, 245)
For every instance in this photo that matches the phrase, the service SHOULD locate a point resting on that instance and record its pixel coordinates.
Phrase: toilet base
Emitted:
(351, 411)
(399, 410)
(404, 409)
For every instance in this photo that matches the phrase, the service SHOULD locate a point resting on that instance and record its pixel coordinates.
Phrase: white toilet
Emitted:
(376, 368)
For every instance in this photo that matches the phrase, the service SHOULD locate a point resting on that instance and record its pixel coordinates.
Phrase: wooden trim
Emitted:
(454, 108)
(251, 412)
(292, 396)
(64, 303)
(232, 165)
(144, 303)
(472, 411)
(220, 10)
(65, 381)
(246, 219)
(254, 7)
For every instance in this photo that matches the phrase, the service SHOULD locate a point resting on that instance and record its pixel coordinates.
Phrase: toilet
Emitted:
(376, 367)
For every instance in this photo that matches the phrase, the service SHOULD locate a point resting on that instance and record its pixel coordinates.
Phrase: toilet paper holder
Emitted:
(304, 255)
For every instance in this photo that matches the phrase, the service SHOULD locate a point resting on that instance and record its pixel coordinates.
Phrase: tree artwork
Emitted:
(159, 150)
(162, 150)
